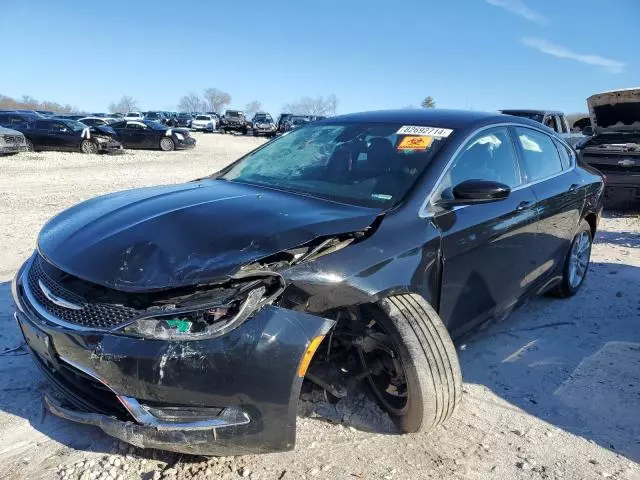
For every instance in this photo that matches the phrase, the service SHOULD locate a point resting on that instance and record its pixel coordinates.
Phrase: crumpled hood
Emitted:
(194, 233)
(615, 111)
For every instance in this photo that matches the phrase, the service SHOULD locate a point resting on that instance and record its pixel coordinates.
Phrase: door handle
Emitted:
(523, 205)
(573, 187)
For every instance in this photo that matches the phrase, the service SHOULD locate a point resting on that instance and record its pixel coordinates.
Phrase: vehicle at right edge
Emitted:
(614, 149)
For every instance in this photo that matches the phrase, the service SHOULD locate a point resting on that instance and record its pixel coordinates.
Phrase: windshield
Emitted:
(155, 125)
(231, 113)
(153, 115)
(360, 164)
(262, 118)
(75, 126)
(202, 117)
(184, 115)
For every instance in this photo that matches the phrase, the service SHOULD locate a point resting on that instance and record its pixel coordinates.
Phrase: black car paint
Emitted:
(469, 263)
(46, 134)
(133, 134)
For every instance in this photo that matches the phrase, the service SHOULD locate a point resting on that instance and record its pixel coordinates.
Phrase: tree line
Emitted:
(216, 100)
(29, 103)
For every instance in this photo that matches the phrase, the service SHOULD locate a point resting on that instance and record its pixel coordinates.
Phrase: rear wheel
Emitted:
(577, 262)
(87, 146)
(167, 145)
(412, 363)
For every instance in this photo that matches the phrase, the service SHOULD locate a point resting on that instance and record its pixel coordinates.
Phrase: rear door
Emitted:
(487, 248)
(548, 166)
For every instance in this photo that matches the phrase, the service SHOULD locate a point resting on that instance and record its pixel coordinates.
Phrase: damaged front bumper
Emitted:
(233, 394)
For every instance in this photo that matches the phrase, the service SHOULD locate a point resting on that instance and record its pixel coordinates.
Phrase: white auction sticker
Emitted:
(420, 130)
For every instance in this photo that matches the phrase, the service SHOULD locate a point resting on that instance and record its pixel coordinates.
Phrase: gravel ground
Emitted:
(551, 392)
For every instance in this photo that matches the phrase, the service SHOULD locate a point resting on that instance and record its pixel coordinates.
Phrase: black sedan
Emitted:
(189, 317)
(68, 135)
(151, 135)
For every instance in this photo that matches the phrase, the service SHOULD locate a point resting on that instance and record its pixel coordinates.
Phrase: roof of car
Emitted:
(421, 116)
(529, 110)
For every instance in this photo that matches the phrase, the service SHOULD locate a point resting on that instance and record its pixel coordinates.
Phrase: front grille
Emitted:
(14, 139)
(82, 391)
(92, 314)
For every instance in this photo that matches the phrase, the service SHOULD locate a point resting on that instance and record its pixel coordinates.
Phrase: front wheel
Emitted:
(30, 147)
(87, 146)
(412, 363)
(576, 264)
(167, 145)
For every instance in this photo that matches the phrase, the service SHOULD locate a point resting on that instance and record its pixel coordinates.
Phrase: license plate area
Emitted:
(38, 340)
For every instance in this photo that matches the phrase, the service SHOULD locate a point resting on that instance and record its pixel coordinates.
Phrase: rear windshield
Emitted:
(360, 164)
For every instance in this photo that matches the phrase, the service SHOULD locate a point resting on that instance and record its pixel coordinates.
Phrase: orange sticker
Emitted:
(415, 143)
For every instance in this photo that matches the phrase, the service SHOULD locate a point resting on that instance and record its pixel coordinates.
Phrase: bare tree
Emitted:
(192, 103)
(313, 106)
(124, 105)
(252, 108)
(428, 102)
(31, 103)
(217, 99)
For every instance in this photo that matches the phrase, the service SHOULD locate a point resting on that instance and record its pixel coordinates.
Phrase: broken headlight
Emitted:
(198, 322)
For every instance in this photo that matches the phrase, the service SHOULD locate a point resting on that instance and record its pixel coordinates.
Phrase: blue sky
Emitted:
(479, 54)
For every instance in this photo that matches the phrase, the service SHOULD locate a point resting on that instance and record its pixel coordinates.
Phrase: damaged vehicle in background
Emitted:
(11, 141)
(189, 317)
(262, 124)
(614, 148)
(152, 135)
(68, 136)
(233, 121)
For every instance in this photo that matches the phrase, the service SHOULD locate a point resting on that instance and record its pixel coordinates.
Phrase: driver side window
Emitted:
(490, 155)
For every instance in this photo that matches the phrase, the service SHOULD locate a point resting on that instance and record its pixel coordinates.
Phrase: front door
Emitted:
(487, 248)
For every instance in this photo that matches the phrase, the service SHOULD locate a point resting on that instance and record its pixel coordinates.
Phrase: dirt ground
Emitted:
(552, 392)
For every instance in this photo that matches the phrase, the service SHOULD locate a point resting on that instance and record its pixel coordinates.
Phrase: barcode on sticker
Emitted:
(420, 130)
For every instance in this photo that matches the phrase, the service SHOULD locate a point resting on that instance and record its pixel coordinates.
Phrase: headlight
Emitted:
(102, 140)
(196, 323)
(179, 136)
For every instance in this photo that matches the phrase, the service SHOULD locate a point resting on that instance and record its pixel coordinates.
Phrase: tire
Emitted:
(87, 146)
(30, 147)
(244, 131)
(579, 256)
(167, 145)
(429, 362)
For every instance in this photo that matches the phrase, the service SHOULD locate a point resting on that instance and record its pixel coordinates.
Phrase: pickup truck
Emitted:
(552, 119)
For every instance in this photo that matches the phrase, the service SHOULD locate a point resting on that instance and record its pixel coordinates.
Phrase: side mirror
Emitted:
(477, 191)
(588, 131)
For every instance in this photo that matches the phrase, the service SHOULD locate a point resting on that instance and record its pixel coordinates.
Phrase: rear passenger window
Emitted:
(565, 156)
(541, 158)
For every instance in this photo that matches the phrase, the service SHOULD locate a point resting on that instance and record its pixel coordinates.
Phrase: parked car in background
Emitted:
(263, 124)
(350, 250)
(152, 135)
(295, 121)
(204, 123)
(68, 135)
(234, 121)
(282, 120)
(184, 119)
(11, 141)
(156, 117)
(614, 148)
(134, 116)
(556, 121)
(9, 118)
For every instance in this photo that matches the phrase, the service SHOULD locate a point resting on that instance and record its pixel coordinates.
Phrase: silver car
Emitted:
(11, 141)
